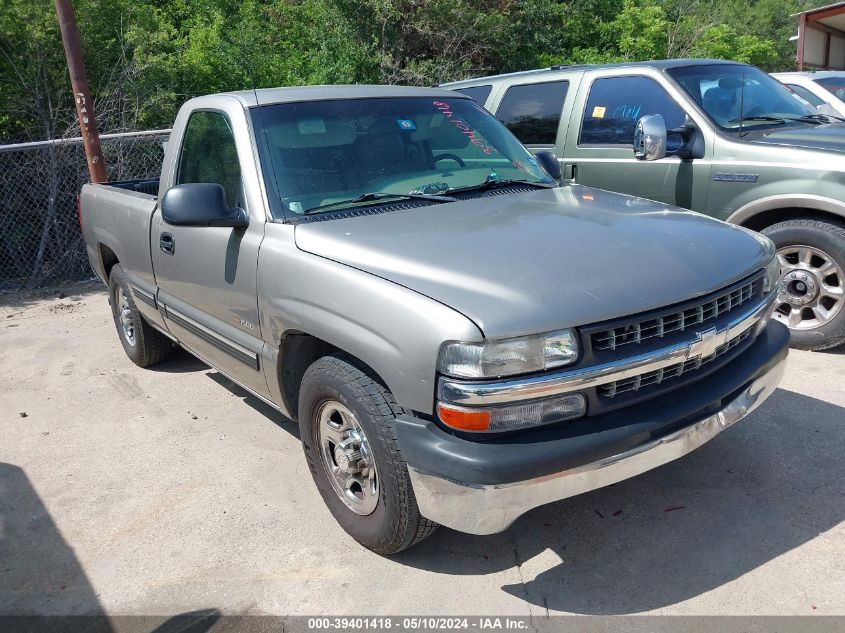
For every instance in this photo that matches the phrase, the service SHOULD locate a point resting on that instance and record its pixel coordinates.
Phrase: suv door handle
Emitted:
(570, 171)
(167, 243)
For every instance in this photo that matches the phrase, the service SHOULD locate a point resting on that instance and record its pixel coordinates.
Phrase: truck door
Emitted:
(207, 275)
(599, 143)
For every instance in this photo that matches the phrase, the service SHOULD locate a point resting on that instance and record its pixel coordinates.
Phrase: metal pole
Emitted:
(81, 93)
(802, 34)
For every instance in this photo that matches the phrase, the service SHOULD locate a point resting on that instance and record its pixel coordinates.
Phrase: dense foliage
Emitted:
(145, 57)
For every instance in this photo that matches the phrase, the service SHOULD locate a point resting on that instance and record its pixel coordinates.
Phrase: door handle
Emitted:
(167, 243)
(570, 171)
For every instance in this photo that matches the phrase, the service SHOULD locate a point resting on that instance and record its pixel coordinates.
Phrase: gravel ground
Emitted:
(131, 491)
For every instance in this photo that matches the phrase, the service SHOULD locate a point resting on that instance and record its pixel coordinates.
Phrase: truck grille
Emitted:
(710, 308)
(656, 377)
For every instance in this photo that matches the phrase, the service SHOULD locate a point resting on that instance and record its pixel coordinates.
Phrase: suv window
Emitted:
(532, 111)
(479, 93)
(616, 103)
(208, 154)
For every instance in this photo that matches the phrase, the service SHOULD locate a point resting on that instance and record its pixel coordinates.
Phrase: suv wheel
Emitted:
(346, 421)
(811, 290)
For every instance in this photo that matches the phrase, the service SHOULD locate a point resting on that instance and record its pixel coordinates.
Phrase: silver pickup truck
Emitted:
(460, 338)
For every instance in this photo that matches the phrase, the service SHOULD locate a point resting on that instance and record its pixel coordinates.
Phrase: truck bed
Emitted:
(148, 186)
(115, 220)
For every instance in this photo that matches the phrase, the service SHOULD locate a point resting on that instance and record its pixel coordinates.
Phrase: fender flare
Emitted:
(787, 201)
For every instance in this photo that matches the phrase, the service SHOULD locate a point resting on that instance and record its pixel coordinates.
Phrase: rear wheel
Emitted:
(811, 289)
(143, 344)
(346, 420)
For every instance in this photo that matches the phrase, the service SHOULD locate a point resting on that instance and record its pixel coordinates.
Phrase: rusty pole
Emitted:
(81, 93)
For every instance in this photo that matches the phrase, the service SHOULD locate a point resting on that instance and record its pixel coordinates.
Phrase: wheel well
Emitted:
(297, 352)
(108, 259)
(768, 218)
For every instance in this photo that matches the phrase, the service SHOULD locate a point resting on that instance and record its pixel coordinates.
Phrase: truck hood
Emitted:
(519, 264)
(827, 137)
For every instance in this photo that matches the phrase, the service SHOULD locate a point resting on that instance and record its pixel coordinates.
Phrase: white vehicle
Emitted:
(823, 89)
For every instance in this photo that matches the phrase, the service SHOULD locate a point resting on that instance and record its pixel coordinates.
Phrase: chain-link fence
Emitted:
(40, 240)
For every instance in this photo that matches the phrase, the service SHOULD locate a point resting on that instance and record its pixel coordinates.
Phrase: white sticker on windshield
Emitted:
(312, 126)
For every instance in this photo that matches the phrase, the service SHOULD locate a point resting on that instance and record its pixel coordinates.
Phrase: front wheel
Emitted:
(811, 289)
(347, 425)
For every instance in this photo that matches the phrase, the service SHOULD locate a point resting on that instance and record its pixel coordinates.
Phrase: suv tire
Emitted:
(347, 425)
(812, 255)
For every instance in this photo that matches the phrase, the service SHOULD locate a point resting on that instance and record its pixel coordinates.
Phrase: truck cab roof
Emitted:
(554, 71)
(268, 96)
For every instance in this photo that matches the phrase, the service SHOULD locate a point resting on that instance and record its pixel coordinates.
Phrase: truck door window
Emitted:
(805, 94)
(209, 155)
(479, 93)
(532, 111)
(616, 103)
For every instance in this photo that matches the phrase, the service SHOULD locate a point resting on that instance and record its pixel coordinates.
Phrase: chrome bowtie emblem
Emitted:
(707, 343)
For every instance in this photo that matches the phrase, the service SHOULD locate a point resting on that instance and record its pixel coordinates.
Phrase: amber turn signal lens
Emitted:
(463, 419)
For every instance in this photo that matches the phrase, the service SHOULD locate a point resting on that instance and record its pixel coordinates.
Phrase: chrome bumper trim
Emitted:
(487, 509)
(474, 393)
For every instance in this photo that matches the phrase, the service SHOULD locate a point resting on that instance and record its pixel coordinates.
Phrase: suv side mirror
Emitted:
(201, 204)
(549, 162)
(650, 138)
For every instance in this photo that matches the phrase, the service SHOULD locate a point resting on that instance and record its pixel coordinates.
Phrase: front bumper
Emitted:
(470, 486)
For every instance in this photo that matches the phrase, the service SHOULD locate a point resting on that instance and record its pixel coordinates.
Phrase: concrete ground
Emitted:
(162, 491)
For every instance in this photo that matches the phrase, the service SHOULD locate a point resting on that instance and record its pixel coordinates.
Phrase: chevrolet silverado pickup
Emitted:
(729, 141)
(460, 338)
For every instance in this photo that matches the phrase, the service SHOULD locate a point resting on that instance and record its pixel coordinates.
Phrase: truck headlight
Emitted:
(508, 357)
(772, 276)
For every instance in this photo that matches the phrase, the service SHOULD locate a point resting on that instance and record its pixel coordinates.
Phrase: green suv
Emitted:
(720, 138)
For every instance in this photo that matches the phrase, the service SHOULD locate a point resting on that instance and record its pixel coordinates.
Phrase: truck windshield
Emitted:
(331, 155)
(835, 85)
(730, 93)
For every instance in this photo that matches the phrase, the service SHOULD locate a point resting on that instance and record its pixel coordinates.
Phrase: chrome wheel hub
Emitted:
(124, 315)
(810, 292)
(798, 288)
(347, 458)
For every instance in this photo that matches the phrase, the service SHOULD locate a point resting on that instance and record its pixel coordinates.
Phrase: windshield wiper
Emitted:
(493, 183)
(375, 196)
(814, 119)
(779, 120)
(822, 118)
(760, 117)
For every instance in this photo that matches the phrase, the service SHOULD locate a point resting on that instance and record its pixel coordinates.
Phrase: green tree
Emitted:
(723, 42)
(641, 31)
(146, 57)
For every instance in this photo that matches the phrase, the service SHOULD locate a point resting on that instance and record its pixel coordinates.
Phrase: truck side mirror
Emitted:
(201, 204)
(549, 162)
(650, 138)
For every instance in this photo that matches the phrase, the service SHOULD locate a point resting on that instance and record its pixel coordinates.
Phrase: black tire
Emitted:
(395, 524)
(828, 237)
(150, 346)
